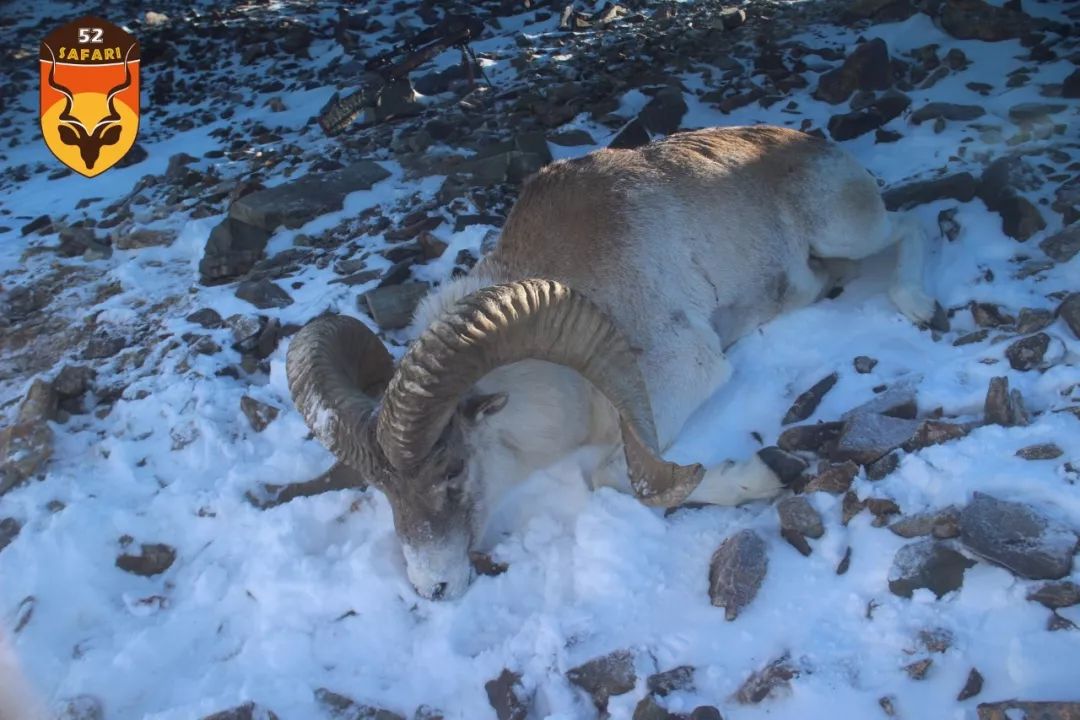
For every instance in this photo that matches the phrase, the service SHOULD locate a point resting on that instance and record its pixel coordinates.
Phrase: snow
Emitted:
(268, 605)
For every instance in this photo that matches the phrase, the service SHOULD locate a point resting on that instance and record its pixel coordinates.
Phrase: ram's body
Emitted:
(683, 246)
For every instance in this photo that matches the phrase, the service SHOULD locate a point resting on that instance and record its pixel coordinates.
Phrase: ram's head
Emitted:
(407, 430)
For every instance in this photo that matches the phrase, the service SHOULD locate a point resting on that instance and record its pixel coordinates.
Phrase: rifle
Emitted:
(451, 31)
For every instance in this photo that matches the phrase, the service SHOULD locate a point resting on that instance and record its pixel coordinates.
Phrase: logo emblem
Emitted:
(89, 94)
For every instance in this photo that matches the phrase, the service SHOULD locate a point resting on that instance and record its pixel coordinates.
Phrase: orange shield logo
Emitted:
(89, 94)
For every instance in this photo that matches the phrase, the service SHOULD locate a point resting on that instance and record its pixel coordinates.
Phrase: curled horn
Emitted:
(503, 324)
(69, 99)
(114, 116)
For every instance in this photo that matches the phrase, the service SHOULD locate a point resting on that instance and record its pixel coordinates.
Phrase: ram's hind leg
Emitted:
(908, 291)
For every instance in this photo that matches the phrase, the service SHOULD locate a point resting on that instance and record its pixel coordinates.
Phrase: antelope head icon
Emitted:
(106, 131)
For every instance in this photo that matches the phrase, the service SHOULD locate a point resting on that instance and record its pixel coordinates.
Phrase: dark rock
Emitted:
(959, 186)
(1069, 311)
(971, 337)
(392, 306)
(731, 18)
(649, 709)
(1002, 407)
(1070, 88)
(1020, 219)
(152, 559)
(805, 405)
(1034, 111)
(232, 249)
(485, 565)
(883, 467)
(263, 294)
(705, 712)
(1042, 451)
(979, 20)
(888, 705)
(947, 111)
(1027, 353)
(9, 530)
(631, 136)
(899, 400)
(342, 707)
(1057, 595)
(73, 381)
(934, 432)
(25, 448)
(787, 467)
(936, 639)
(947, 224)
(859, 122)
(41, 222)
(140, 238)
(810, 438)
(667, 682)
(506, 696)
(798, 515)
(989, 315)
(797, 541)
(762, 683)
(1032, 320)
(101, 347)
(864, 364)
(833, 479)
(664, 113)
(918, 669)
(1013, 709)
(880, 11)
(927, 564)
(942, 524)
(247, 711)
(736, 572)
(338, 477)
(867, 68)
(207, 318)
(972, 686)
(605, 676)
(259, 414)
(572, 138)
(866, 437)
(1063, 246)
(1017, 537)
(1057, 622)
(297, 202)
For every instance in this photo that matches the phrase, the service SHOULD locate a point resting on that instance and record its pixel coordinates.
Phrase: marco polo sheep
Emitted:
(600, 318)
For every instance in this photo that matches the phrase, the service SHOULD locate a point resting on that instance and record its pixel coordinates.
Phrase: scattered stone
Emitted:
(505, 694)
(845, 562)
(9, 530)
(810, 438)
(846, 126)
(736, 572)
(1003, 407)
(880, 11)
(664, 113)
(1057, 622)
(143, 238)
(649, 709)
(1034, 111)
(883, 467)
(392, 306)
(867, 437)
(247, 711)
(605, 676)
(888, 705)
(805, 405)
(1027, 353)
(259, 414)
(947, 111)
(263, 294)
(942, 524)
(232, 249)
(936, 640)
(338, 477)
(1062, 247)
(26, 445)
(343, 707)
(1032, 320)
(762, 683)
(833, 479)
(101, 347)
(948, 225)
(959, 186)
(41, 222)
(971, 337)
(798, 515)
(1069, 311)
(631, 136)
(979, 20)
(1056, 595)
(972, 686)
(1070, 88)
(934, 432)
(731, 18)
(929, 564)
(1014, 709)
(153, 559)
(788, 467)
(1017, 537)
(918, 669)
(864, 364)
(572, 138)
(866, 68)
(990, 315)
(206, 318)
(508, 162)
(669, 681)
(1042, 451)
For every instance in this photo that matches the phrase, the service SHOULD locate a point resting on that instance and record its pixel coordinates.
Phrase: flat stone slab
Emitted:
(929, 564)
(1017, 537)
(295, 203)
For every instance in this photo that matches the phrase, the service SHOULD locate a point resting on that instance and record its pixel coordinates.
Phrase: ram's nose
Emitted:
(437, 591)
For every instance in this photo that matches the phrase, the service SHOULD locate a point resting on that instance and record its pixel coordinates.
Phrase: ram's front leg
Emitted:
(734, 483)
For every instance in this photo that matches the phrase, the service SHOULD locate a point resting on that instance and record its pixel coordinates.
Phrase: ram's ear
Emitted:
(477, 407)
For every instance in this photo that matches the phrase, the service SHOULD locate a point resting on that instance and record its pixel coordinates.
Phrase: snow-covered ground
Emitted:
(267, 605)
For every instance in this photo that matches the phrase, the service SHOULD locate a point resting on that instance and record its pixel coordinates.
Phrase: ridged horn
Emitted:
(337, 368)
(530, 319)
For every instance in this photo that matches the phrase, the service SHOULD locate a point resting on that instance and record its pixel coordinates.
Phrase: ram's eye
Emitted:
(454, 469)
